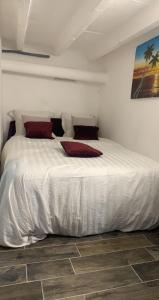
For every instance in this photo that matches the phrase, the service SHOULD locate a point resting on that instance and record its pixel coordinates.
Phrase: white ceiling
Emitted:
(53, 26)
(47, 19)
(116, 13)
(8, 21)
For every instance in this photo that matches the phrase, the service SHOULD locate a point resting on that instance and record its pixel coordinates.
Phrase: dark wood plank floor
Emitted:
(111, 266)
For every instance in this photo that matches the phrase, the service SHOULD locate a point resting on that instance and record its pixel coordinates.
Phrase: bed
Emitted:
(44, 191)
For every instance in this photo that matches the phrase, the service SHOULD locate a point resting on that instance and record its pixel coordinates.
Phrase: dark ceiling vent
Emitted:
(26, 53)
(64, 79)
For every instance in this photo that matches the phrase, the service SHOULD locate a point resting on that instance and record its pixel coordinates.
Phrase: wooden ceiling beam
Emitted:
(87, 12)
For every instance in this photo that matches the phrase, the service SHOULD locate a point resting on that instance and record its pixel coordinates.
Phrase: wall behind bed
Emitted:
(35, 93)
(0, 100)
(133, 123)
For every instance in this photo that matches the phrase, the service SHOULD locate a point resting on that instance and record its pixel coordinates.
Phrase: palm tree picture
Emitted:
(154, 60)
(148, 52)
(146, 71)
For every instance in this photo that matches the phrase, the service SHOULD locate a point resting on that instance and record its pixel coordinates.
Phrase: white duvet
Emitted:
(43, 191)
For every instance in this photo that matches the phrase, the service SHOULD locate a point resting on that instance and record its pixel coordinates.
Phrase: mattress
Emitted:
(42, 191)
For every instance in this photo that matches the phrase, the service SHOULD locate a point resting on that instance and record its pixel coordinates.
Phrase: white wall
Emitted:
(133, 123)
(71, 58)
(0, 101)
(33, 93)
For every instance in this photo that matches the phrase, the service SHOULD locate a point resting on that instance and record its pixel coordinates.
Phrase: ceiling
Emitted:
(52, 26)
(116, 13)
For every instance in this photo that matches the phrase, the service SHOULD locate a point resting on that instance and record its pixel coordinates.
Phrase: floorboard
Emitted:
(111, 266)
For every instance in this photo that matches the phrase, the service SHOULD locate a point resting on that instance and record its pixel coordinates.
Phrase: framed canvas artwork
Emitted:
(145, 82)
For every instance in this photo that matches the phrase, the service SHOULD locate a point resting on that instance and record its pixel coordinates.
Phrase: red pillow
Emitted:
(80, 150)
(85, 132)
(38, 130)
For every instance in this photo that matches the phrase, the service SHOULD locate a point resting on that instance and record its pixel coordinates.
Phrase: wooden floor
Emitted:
(113, 266)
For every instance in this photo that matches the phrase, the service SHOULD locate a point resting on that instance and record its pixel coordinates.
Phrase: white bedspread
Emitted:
(43, 191)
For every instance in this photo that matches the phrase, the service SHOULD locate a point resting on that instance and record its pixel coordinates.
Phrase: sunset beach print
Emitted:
(146, 71)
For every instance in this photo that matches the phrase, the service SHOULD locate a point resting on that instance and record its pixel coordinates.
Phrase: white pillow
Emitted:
(34, 119)
(19, 121)
(67, 124)
(85, 121)
(68, 121)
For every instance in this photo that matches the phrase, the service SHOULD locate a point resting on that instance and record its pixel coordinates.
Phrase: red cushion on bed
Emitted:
(38, 130)
(85, 132)
(80, 150)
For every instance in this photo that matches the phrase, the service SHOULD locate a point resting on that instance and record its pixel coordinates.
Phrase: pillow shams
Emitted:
(26, 119)
(85, 121)
(19, 122)
(68, 121)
